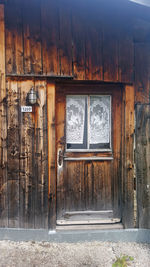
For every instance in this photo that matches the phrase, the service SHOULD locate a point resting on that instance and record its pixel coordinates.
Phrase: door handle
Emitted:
(60, 158)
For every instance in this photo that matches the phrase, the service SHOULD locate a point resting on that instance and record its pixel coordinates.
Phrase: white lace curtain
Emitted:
(97, 110)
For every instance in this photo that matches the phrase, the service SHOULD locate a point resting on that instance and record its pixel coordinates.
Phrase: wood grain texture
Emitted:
(110, 53)
(3, 127)
(143, 165)
(13, 154)
(116, 167)
(93, 51)
(65, 36)
(60, 38)
(78, 32)
(14, 38)
(26, 39)
(128, 197)
(27, 172)
(142, 72)
(40, 162)
(51, 154)
(125, 54)
(27, 178)
(50, 37)
(10, 50)
(32, 36)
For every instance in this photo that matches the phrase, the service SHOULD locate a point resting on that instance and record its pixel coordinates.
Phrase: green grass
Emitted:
(123, 261)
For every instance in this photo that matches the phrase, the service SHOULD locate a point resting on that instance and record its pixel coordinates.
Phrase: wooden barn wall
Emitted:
(143, 164)
(26, 185)
(46, 38)
(61, 39)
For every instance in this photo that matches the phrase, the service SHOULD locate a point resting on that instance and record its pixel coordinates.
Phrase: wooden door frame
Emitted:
(128, 159)
(51, 88)
(127, 154)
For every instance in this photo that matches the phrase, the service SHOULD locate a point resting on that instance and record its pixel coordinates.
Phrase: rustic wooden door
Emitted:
(89, 144)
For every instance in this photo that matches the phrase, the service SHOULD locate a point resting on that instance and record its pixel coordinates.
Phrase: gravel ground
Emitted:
(95, 254)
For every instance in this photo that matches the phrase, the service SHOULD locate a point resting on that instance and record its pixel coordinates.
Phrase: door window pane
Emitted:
(76, 121)
(88, 122)
(100, 126)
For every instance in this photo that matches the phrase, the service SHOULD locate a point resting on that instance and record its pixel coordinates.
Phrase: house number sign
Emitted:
(26, 108)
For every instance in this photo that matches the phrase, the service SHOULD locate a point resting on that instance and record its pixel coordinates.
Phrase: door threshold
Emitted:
(86, 221)
(90, 227)
(88, 217)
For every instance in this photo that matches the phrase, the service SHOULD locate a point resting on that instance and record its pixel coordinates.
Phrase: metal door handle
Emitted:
(60, 157)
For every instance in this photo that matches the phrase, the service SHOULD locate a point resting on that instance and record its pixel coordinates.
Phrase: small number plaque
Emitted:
(26, 108)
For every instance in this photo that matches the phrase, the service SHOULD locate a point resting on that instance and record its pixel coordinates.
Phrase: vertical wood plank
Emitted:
(10, 50)
(110, 52)
(143, 164)
(14, 38)
(60, 146)
(27, 178)
(142, 72)
(41, 170)
(51, 154)
(78, 30)
(50, 37)
(99, 185)
(32, 37)
(128, 198)
(3, 127)
(26, 41)
(13, 154)
(117, 118)
(73, 191)
(126, 56)
(94, 51)
(65, 45)
(88, 185)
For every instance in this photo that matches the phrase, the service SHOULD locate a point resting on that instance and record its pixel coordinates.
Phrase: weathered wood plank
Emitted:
(90, 227)
(110, 53)
(41, 170)
(88, 185)
(27, 168)
(143, 165)
(14, 38)
(142, 72)
(65, 43)
(26, 41)
(94, 51)
(73, 190)
(128, 196)
(13, 154)
(78, 32)
(3, 128)
(10, 50)
(60, 145)
(50, 37)
(99, 185)
(32, 37)
(51, 154)
(126, 55)
(117, 117)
